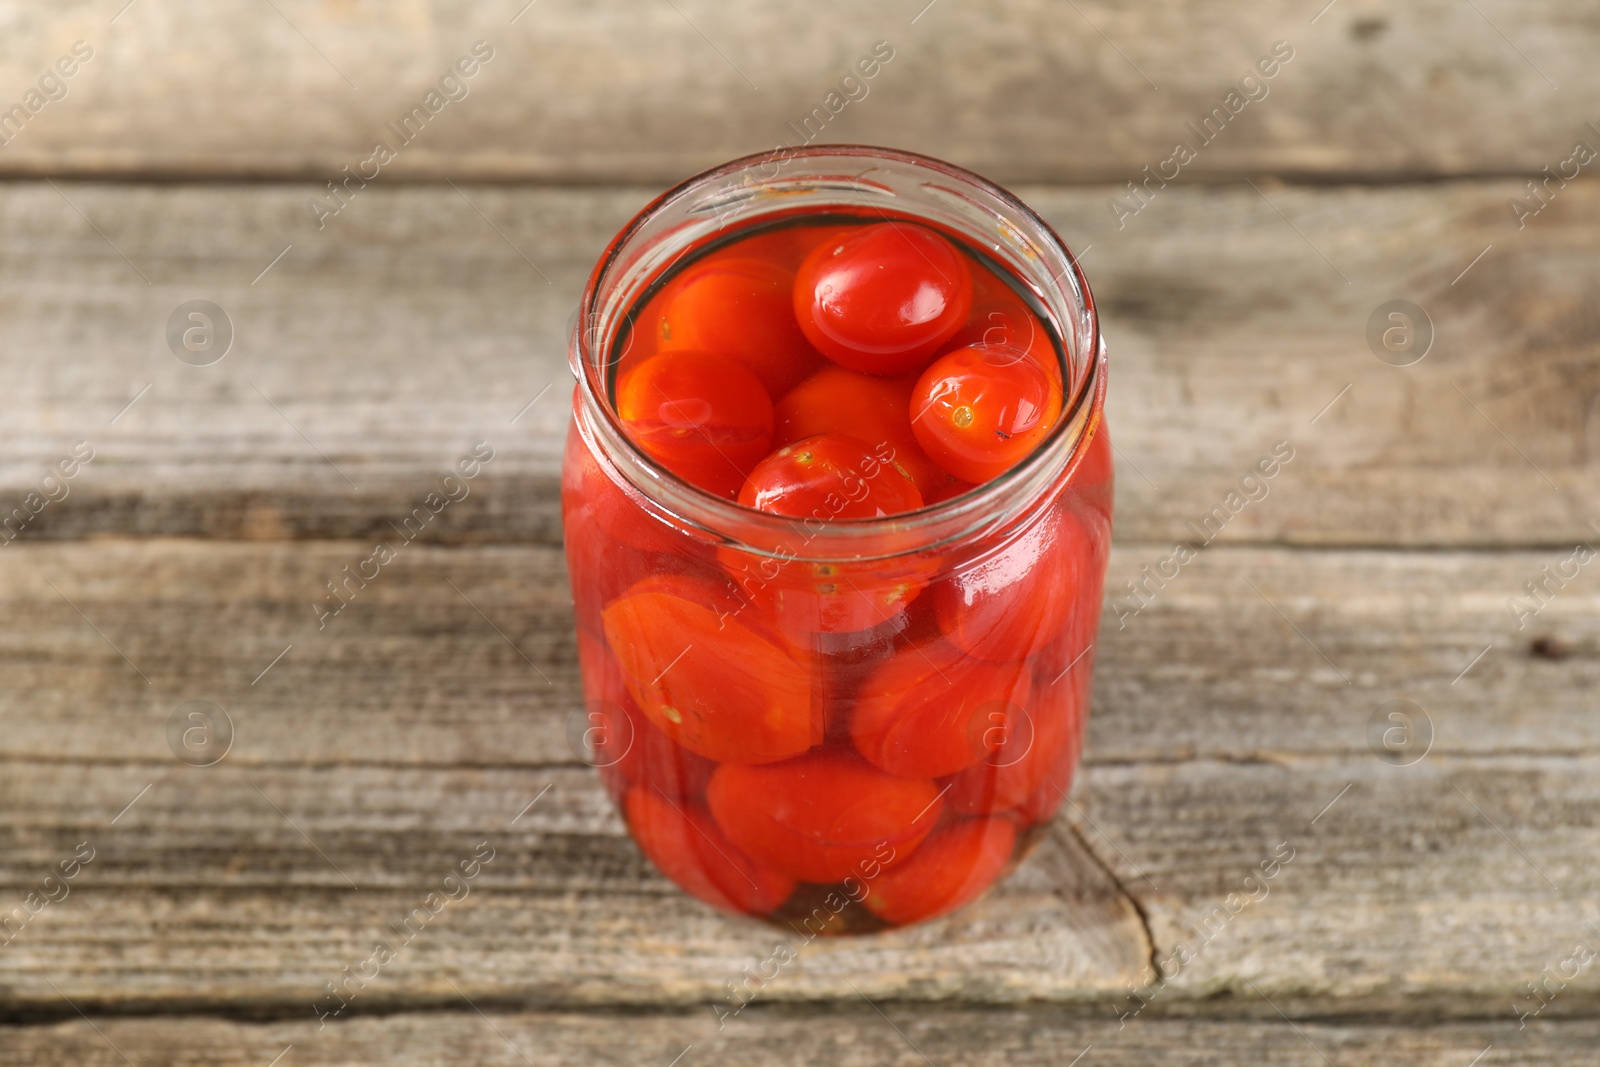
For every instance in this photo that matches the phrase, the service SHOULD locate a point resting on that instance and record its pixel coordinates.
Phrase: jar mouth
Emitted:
(984, 213)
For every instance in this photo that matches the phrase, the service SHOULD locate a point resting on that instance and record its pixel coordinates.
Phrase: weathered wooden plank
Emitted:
(412, 670)
(410, 673)
(1337, 885)
(848, 1037)
(1451, 883)
(257, 888)
(1026, 89)
(376, 352)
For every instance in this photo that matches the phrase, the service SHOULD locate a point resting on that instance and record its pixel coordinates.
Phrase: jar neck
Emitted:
(757, 188)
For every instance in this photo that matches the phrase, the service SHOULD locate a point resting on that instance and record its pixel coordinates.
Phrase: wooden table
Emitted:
(1426, 876)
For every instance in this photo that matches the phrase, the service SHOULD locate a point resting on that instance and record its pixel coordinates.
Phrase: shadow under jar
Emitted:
(850, 723)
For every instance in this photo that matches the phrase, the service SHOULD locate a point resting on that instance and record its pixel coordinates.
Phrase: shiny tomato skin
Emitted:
(704, 417)
(884, 297)
(950, 869)
(1002, 322)
(687, 846)
(875, 410)
(977, 411)
(829, 476)
(705, 674)
(822, 817)
(929, 711)
(1018, 598)
(743, 308)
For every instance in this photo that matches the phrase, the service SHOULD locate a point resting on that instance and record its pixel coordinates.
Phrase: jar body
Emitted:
(973, 690)
(844, 737)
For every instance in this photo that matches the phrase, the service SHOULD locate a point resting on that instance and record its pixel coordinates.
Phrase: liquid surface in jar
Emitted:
(837, 369)
(852, 745)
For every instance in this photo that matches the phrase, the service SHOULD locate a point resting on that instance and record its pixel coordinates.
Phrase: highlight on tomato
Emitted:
(1014, 600)
(979, 411)
(884, 297)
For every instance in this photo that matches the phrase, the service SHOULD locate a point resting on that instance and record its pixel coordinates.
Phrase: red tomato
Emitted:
(1031, 770)
(635, 345)
(884, 297)
(950, 869)
(688, 847)
(1090, 532)
(1034, 771)
(603, 685)
(1066, 701)
(611, 542)
(629, 748)
(823, 817)
(705, 418)
(930, 711)
(875, 410)
(829, 476)
(611, 508)
(1017, 599)
(804, 598)
(741, 308)
(1002, 322)
(599, 568)
(786, 246)
(709, 681)
(1000, 319)
(978, 410)
(622, 740)
(949, 491)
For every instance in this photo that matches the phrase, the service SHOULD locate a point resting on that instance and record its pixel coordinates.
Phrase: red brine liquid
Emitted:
(847, 744)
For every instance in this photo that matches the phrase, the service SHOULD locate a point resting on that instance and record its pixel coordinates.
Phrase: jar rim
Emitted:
(713, 518)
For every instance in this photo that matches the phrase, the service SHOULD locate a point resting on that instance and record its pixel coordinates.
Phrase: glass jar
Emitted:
(840, 725)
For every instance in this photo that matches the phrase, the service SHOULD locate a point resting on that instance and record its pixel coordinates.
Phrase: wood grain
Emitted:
(1448, 884)
(1024, 89)
(256, 889)
(1240, 711)
(374, 353)
(853, 1036)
